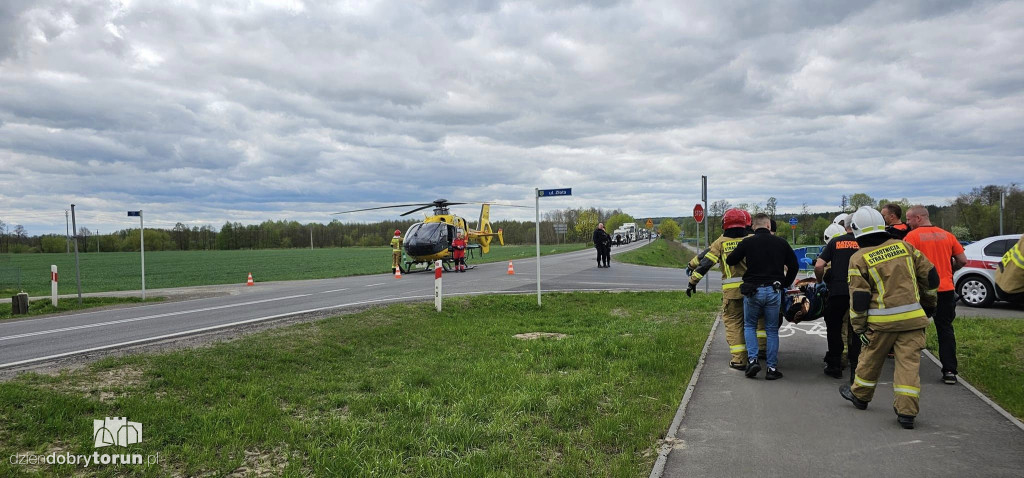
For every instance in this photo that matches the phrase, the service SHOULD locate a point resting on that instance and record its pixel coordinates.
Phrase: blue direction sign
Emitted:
(792, 221)
(554, 192)
(134, 213)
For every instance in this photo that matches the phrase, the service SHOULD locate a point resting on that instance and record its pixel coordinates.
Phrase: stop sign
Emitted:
(698, 213)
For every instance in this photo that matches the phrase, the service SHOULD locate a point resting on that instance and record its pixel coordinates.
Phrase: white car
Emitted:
(975, 282)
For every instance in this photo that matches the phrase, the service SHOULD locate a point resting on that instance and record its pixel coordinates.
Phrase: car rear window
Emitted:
(998, 248)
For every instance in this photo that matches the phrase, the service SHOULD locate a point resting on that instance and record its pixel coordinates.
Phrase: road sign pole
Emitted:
(78, 276)
(536, 199)
(142, 249)
(707, 234)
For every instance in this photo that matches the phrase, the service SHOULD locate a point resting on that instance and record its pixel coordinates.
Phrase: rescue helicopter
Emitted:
(431, 240)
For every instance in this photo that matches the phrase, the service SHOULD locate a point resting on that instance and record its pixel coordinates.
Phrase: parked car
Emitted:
(975, 282)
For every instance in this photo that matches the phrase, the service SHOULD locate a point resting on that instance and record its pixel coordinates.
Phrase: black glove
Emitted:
(864, 339)
(929, 311)
(691, 288)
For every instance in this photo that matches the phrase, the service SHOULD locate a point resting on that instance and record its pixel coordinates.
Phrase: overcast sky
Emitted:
(207, 111)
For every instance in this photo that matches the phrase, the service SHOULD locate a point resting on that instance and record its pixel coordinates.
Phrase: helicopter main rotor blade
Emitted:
(381, 207)
(417, 209)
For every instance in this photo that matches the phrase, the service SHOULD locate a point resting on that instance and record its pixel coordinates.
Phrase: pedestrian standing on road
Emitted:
(892, 294)
(603, 244)
(1010, 275)
(734, 224)
(396, 251)
(893, 215)
(947, 255)
(771, 269)
(836, 255)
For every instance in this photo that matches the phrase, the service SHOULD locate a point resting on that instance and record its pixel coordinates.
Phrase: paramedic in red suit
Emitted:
(459, 252)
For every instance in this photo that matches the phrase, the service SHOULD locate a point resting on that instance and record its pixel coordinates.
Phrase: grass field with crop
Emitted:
(990, 355)
(399, 390)
(110, 271)
(659, 253)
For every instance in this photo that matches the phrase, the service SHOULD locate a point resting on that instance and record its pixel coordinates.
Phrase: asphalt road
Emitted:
(30, 341)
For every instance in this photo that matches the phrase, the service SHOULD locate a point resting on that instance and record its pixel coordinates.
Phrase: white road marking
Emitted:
(371, 285)
(148, 317)
(335, 290)
(269, 317)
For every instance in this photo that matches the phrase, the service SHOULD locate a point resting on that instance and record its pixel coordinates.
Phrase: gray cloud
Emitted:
(204, 112)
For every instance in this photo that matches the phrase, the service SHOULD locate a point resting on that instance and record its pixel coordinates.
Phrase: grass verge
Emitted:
(660, 253)
(990, 353)
(112, 271)
(400, 390)
(44, 306)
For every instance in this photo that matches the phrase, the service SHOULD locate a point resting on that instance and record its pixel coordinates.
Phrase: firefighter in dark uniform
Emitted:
(892, 294)
(841, 246)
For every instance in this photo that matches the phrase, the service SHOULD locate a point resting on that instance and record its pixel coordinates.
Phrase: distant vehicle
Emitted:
(975, 282)
(627, 231)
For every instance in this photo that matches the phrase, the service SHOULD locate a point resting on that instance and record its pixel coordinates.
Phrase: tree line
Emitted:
(970, 216)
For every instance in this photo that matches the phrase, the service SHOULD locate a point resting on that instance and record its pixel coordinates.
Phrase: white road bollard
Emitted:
(53, 284)
(437, 285)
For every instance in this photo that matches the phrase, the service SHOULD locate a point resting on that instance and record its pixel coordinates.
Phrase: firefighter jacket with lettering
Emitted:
(1010, 275)
(396, 244)
(889, 284)
(732, 276)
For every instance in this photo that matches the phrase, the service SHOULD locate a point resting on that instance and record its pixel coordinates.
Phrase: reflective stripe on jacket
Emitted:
(896, 275)
(732, 276)
(1010, 276)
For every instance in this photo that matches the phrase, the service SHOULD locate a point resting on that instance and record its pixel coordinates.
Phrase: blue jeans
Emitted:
(766, 301)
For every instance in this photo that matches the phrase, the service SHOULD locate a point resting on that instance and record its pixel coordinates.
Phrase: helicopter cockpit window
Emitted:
(429, 237)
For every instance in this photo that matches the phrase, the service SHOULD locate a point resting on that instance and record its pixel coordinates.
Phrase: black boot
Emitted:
(905, 421)
(848, 394)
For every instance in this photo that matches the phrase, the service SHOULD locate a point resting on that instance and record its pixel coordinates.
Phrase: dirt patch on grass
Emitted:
(619, 312)
(262, 463)
(107, 385)
(540, 335)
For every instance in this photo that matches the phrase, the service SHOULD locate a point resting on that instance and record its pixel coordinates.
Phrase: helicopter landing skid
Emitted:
(449, 266)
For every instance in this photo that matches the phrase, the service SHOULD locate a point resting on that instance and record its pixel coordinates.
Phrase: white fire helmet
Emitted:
(866, 220)
(833, 230)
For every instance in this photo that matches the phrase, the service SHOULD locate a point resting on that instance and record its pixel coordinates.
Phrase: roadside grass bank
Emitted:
(659, 253)
(44, 306)
(114, 271)
(990, 355)
(397, 390)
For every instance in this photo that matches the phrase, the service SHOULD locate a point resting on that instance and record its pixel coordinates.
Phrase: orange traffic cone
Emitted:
(511, 271)
(398, 273)
(250, 282)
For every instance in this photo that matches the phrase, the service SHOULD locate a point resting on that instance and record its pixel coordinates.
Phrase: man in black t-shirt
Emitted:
(837, 315)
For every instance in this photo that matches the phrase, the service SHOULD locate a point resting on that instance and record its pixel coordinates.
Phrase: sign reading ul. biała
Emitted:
(554, 192)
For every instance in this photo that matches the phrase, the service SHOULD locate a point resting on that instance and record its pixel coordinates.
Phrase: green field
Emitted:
(398, 390)
(990, 353)
(660, 253)
(110, 271)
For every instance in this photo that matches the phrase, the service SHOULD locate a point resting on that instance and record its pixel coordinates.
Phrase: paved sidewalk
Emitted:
(800, 426)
